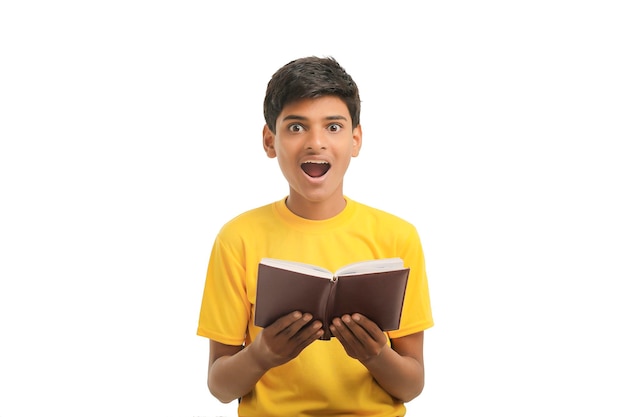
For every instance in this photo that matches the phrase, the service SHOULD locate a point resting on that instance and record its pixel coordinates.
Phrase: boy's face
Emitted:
(314, 143)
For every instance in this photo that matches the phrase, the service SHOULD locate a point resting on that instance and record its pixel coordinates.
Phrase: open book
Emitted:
(373, 288)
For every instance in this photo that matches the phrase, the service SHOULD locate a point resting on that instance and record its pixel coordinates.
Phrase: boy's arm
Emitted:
(234, 370)
(398, 369)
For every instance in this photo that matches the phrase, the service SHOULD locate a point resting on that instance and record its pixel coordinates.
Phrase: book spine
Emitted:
(330, 301)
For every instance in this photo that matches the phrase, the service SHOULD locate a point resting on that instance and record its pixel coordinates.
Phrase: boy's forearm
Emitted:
(401, 376)
(232, 377)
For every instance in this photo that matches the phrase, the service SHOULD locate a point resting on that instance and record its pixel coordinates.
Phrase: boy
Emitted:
(312, 110)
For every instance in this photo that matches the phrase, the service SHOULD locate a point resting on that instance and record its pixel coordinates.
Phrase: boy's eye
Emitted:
(295, 128)
(335, 127)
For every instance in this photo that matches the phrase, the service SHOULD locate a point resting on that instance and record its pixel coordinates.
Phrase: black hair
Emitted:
(310, 77)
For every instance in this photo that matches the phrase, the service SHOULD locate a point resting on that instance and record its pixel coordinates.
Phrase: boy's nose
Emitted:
(316, 140)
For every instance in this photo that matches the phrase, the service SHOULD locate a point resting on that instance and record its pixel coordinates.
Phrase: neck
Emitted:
(313, 210)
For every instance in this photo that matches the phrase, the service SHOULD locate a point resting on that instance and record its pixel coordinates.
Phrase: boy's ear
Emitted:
(268, 142)
(357, 137)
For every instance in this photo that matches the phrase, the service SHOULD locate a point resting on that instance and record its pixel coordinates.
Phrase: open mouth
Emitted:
(315, 169)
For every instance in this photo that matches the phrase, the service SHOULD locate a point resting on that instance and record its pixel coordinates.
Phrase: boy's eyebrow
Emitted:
(296, 117)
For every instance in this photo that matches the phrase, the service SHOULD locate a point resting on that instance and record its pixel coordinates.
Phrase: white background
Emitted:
(131, 131)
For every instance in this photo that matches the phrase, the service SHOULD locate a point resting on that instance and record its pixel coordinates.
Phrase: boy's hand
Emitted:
(361, 338)
(284, 339)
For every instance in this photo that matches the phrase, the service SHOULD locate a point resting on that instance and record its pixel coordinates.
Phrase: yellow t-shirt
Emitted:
(323, 379)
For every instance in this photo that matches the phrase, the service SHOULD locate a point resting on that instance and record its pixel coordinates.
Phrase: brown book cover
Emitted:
(374, 288)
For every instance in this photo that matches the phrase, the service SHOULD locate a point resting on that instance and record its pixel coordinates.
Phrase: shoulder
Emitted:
(387, 228)
(250, 219)
(365, 211)
(252, 214)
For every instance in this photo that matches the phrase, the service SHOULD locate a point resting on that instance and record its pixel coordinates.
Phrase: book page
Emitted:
(375, 265)
(300, 267)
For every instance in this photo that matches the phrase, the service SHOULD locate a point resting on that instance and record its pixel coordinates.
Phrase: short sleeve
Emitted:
(225, 309)
(416, 312)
